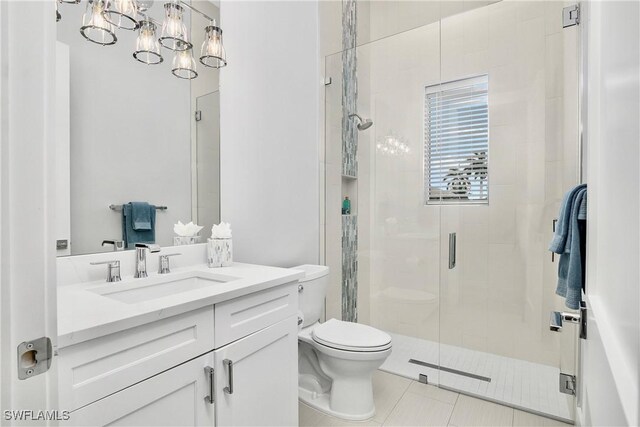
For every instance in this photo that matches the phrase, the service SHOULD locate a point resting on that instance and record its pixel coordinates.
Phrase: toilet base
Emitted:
(321, 402)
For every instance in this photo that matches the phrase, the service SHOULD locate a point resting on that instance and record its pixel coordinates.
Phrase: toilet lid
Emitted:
(351, 336)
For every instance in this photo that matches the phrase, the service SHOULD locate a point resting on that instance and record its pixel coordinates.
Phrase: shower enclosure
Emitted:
(454, 190)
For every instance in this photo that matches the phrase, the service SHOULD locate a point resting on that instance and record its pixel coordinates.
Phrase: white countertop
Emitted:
(84, 315)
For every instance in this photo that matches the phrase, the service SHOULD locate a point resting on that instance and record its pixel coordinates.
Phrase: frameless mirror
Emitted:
(127, 131)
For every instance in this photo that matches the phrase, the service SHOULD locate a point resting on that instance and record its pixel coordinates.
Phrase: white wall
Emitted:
(269, 131)
(610, 391)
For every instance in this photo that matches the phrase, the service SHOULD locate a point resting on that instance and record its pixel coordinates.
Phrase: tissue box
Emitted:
(185, 240)
(219, 252)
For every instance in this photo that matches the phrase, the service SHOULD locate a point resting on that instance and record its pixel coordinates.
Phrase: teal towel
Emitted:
(141, 216)
(570, 266)
(563, 225)
(132, 236)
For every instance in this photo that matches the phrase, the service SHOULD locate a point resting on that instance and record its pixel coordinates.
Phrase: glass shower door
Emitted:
(402, 255)
(495, 299)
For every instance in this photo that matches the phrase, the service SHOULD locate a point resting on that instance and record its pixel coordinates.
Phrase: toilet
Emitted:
(336, 359)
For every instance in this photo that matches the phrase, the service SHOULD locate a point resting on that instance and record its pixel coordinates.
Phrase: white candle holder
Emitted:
(219, 252)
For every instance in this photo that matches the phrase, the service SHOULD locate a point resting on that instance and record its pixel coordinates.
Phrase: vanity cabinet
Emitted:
(176, 397)
(262, 371)
(159, 373)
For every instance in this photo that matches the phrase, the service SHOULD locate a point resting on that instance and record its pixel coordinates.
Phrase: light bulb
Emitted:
(212, 53)
(95, 28)
(123, 14)
(147, 47)
(184, 66)
(174, 32)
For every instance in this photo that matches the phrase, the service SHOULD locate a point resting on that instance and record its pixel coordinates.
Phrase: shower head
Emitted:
(363, 123)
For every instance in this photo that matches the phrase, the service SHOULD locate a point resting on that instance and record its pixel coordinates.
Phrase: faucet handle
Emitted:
(153, 248)
(163, 265)
(118, 245)
(113, 269)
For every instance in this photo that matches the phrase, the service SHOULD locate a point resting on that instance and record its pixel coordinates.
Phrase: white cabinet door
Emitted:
(257, 378)
(176, 397)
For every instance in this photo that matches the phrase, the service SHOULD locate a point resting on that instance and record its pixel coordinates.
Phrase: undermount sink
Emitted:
(141, 290)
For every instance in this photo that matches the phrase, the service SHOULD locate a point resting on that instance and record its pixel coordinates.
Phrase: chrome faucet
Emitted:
(118, 245)
(141, 258)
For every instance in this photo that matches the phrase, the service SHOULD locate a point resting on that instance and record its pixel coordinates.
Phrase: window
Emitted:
(457, 142)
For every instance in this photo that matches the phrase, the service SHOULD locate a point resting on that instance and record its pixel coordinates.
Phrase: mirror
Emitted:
(132, 132)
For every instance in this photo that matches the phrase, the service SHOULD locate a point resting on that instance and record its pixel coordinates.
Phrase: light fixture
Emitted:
(147, 46)
(122, 13)
(184, 66)
(174, 32)
(94, 27)
(212, 53)
(102, 17)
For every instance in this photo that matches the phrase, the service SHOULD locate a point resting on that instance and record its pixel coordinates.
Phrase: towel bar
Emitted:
(119, 208)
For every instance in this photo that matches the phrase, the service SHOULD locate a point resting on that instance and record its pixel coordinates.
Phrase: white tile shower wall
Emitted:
(504, 276)
(521, 46)
(404, 234)
(269, 131)
(376, 20)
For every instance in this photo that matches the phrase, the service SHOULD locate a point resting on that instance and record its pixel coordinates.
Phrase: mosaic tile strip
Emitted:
(349, 88)
(350, 268)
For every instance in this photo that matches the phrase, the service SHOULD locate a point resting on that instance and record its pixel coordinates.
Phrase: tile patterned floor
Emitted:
(404, 402)
(515, 382)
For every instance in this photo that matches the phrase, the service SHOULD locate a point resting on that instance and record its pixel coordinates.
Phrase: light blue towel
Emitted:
(566, 242)
(563, 225)
(141, 216)
(132, 236)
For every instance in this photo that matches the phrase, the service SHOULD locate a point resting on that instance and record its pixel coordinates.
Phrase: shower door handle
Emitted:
(452, 250)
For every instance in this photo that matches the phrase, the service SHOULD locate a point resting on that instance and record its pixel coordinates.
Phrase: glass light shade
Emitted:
(174, 32)
(147, 46)
(95, 28)
(122, 13)
(212, 53)
(184, 66)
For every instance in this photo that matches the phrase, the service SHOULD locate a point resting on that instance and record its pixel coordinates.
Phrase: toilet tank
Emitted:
(313, 291)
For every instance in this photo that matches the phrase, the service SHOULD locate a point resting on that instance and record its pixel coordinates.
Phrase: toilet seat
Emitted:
(348, 336)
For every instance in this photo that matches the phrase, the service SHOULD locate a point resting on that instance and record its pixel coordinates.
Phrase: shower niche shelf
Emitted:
(350, 190)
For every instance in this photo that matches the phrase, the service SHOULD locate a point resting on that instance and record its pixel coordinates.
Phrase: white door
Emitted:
(257, 378)
(609, 393)
(27, 204)
(177, 397)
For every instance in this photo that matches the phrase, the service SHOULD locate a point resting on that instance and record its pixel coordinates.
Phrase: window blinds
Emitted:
(457, 142)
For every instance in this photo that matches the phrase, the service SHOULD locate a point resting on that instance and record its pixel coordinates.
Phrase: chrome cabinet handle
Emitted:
(452, 250)
(229, 365)
(208, 370)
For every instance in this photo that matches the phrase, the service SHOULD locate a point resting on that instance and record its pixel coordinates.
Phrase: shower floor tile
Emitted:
(514, 382)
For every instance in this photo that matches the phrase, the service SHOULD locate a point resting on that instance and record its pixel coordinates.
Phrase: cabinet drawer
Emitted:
(94, 369)
(245, 315)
